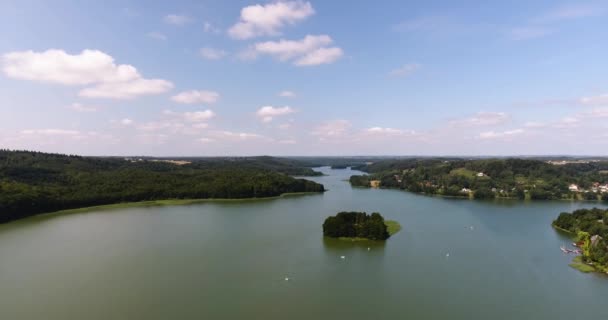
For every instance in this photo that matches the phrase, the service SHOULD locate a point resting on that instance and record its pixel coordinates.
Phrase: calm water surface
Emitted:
(230, 260)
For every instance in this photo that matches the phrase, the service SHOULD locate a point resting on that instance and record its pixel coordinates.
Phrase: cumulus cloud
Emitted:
(268, 113)
(212, 53)
(196, 96)
(287, 94)
(234, 136)
(483, 119)
(268, 20)
(310, 51)
(176, 19)
(90, 67)
(405, 70)
(127, 90)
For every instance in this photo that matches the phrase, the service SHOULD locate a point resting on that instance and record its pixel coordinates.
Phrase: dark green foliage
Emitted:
(356, 225)
(359, 181)
(592, 221)
(484, 194)
(507, 177)
(32, 182)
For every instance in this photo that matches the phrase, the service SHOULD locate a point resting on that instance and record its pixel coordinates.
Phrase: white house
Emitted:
(480, 174)
(573, 188)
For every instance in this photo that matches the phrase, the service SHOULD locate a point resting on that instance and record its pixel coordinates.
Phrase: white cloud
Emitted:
(483, 119)
(333, 128)
(90, 67)
(212, 53)
(157, 36)
(127, 90)
(384, 131)
(199, 116)
(309, 51)
(196, 96)
(82, 108)
(504, 134)
(320, 56)
(405, 70)
(268, 113)
(269, 19)
(287, 94)
(57, 66)
(126, 122)
(192, 116)
(176, 19)
(595, 100)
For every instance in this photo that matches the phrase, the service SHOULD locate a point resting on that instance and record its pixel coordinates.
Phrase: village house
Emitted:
(465, 190)
(480, 174)
(573, 188)
(374, 183)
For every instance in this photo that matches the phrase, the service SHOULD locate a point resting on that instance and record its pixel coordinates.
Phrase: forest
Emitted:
(356, 225)
(34, 182)
(490, 178)
(591, 231)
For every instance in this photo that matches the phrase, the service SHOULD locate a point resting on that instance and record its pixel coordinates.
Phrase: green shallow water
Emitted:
(230, 260)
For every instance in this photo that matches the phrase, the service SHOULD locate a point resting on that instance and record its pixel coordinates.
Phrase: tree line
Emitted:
(34, 182)
(488, 178)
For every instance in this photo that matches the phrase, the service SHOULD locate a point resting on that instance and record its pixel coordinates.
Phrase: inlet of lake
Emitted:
(267, 259)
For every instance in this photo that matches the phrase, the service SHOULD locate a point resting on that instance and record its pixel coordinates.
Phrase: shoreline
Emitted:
(153, 203)
(472, 198)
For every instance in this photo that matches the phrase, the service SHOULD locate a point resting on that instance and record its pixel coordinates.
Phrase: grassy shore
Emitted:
(578, 264)
(157, 203)
(392, 226)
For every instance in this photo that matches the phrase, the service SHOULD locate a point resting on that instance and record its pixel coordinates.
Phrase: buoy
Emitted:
(368, 249)
(286, 279)
(342, 257)
(447, 254)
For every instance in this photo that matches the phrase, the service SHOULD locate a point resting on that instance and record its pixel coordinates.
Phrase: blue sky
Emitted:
(304, 77)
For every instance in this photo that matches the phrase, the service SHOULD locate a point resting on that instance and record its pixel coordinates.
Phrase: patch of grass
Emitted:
(463, 172)
(578, 264)
(392, 226)
(167, 202)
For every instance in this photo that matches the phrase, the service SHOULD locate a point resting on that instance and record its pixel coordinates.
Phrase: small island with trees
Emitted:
(589, 228)
(359, 226)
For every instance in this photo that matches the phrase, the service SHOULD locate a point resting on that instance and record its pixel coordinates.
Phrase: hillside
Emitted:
(33, 182)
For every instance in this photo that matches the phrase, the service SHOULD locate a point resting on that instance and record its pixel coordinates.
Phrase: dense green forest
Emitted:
(592, 232)
(356, 225)
(490, 178)
(34, 182)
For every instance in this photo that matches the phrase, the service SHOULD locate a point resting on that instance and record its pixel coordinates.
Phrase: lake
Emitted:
(453, 259)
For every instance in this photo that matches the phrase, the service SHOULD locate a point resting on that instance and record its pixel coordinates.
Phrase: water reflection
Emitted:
(336, 246)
